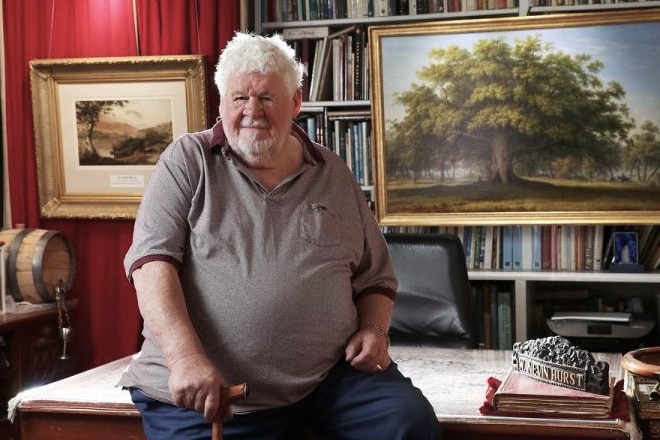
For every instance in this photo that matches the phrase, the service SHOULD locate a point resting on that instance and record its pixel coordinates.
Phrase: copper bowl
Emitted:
(644, 362)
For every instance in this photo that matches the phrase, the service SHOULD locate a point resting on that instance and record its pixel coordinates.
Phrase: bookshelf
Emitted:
(536, 292)
(332, 108)
(527, 285)
(264, 22)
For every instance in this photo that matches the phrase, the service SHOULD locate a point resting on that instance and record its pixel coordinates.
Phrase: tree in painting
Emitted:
(511, 110)
(643, 155)
(88, 114)
(123, 132)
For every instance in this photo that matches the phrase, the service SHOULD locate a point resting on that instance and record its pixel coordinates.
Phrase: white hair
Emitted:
(247, 52)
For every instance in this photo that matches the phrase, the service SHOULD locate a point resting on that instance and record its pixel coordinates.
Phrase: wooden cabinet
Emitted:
(30, 350)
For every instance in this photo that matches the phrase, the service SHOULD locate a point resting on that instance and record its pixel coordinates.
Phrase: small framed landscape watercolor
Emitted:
(101, 123)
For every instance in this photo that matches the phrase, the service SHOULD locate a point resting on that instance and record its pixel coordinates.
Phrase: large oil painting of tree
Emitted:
(521, 124)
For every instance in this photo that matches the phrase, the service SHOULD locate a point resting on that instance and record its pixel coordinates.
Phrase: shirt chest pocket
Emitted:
(322, 225)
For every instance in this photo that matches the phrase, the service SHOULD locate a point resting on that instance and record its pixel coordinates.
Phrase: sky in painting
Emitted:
(630, 53)
(142, 113)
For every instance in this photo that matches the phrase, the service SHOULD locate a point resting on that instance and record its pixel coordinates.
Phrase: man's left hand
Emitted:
(367, 350)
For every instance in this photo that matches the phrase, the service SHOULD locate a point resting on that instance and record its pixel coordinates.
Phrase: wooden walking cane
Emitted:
(229, 395)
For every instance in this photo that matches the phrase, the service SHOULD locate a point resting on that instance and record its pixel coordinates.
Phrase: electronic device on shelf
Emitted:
(619, 325)
(615, 317)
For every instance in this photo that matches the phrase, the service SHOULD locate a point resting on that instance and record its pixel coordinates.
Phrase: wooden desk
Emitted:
(88, 405)
(454, 381)
(81, 407)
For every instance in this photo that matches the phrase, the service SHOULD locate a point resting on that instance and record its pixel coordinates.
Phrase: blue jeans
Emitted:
(347, 405)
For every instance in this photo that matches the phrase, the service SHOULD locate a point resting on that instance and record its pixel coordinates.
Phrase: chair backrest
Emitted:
(434, 305)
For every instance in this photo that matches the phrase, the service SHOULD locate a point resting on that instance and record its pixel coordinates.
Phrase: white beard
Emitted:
(257, 150)
(253, 152)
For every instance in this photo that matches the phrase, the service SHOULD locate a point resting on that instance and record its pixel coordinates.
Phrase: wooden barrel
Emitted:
(37, 261)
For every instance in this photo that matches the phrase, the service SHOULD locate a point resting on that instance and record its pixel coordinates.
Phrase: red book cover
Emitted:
(545, 247)
(521, 394)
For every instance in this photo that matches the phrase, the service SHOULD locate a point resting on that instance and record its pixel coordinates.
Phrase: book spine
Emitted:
(497, 247)
(507, 247)
(349, 147)
(579, 251)
(546, 247)
(358, 62)
(504, 321)
(423, 6)
(494, 318)
(337, 71)
(566, 247)
(488, 337)
(481, 248)
(516, 247)
(356, 139)
(599, 231)
(467, 245)
(589, 248)
(477, 293)
(488, 247)
(381, 8)
(536, 247)
(554, 231)
(526, 259)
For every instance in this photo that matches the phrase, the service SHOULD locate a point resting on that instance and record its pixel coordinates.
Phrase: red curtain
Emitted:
(106, 322)
(170, 27)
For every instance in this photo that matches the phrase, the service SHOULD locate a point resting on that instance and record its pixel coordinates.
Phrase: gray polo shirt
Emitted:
(270, 277)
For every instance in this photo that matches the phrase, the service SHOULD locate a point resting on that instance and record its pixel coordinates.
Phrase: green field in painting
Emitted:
(520, 196)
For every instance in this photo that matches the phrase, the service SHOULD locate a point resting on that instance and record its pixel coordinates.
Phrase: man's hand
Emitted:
(196, 383)
(367, 350)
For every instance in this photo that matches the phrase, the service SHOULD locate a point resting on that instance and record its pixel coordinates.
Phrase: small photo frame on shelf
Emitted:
(625, 248)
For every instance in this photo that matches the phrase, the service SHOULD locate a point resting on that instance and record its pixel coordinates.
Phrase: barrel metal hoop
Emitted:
(12, 257)
(37, 267)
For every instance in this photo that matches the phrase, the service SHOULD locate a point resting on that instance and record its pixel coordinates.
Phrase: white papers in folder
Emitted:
(613, 317)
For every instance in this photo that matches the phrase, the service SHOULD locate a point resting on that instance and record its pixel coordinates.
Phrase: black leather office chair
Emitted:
(434, 305)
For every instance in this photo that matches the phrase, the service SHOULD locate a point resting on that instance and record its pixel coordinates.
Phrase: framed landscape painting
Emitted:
(101, 124)
(521, 120)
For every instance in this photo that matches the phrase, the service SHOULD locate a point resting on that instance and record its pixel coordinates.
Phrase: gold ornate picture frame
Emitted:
(518, 120)
(101, 123)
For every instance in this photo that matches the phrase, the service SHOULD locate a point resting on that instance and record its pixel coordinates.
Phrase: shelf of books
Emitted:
(278, 14)
(336, 111)
(275, 15)
(555, 248)
(347, 132)
(521, 275)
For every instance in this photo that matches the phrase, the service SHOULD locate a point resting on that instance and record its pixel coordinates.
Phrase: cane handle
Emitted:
(229, 396)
